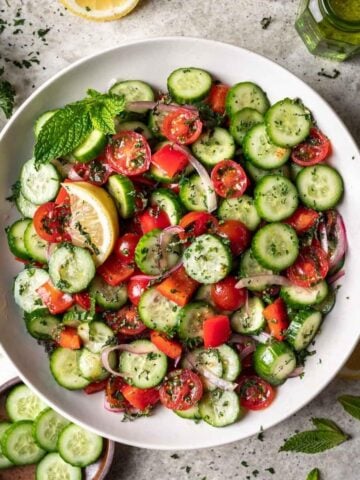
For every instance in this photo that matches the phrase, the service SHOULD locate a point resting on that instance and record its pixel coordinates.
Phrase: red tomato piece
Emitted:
(114, 271)
(174, 187)
(315, 149)
(135, 288)
(277, 318)
(226, 296)
(140, 398)
(310, 267)
(126, 321)
(125, 247)
(69, 338)
(181, 390)
(302, 219)
(83, 300)
(169, 160)
(153, 217)
(217, 97)
(178, 287)
(128, 153)
(96, 387)
(216, 331)
(171, 348)
(229, 179)
(55, 300)
(113, 393)
(182, 126)
(238, 235)
(63, 196)
(255, 393)
(50, 222)
(95, 172)
(197, 223)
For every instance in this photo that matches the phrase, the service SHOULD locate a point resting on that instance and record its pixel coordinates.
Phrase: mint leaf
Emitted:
(325, 424)
(314, 441)
(7, 98)
(102, 119)
(314, 474)
(351, 405)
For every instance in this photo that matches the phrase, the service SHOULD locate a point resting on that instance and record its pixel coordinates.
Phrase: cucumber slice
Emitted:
(15, 237)
(134, 91)
(193, 193)
(90, 148)
(122, 190)
(145, 370)
(157, 312)
(91, 367)
(242, 121)
(258, 173)
(65, 370)
(95, 335)
(320, 187)
(192, 413)
(230, 361)
(25, 286)
(4, 461)
(71, 268)
(156, 118)
(188, 85)
(303, 328)
(246, 95)
(294, 170)
(220, 408)
(53, 467)
(303, 297)
(274, 361)
(207, 259)
(135, 126)
(288, 123)
(250, 267)
(249, 321)
(214, 146)
(36, 247)
(190, 322)
(169, 202)
(107, 296)
(26, 208)
(47, 428)
(79, 447)
(327, 304)
(210, 359)
(40, 122)
(276, 198)
(19, 446)
(275, 246)
(204, 293)
(39, 184)
(261, 152)
(241, 209)
(43, 327)
(23, 404)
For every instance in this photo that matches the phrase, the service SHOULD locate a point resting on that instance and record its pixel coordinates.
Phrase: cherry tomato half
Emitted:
(226, 296)
(310, 267)
(217, 97)
(255, 393)
(313, 150)
(181, 390)
(238, 235)
(125, 247)
(182, 126)
(136, 288)
(302, 219)
(126, 321)
(113, 393)
(197, 223)
(95, 172)
(229, 179)
(153, 217)
(51, 220)
(128, 153)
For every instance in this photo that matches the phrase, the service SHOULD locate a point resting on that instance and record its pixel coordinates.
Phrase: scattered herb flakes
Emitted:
(244, 464)
(7, 97)
(325, 74)
(187, 469)
(255, 473)
(42, 32)
(20, 21)
(261, 434)
(270, 470)
(351, 405)
(265, 22)
(175, 455)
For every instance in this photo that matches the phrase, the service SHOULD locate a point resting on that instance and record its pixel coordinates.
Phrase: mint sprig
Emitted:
(351, 405)
(7, 96)
(70, 125)
(314, 474)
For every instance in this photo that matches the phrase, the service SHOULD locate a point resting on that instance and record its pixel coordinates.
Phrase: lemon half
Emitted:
(100, 10)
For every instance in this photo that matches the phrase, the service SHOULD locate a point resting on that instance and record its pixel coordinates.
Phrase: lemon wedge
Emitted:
(100, 10)
(351, 370)
(94, 221)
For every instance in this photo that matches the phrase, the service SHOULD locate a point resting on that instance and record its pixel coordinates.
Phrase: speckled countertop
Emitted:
(31, 54)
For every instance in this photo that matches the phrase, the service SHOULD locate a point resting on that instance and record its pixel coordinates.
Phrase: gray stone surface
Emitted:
(237, 22)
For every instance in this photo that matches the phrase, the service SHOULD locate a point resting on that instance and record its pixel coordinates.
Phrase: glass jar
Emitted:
(330, 28)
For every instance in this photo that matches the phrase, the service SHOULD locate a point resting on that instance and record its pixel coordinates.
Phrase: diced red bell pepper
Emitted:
(96, 387)
(114, 272)
(216, 330)
(217, 97)
(277, 318)
(169, 160)
(178, 287)
(171, 348)
(140, 398)
(69, 338)
(55, 300)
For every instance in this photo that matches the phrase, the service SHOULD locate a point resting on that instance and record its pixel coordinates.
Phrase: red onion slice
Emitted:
(164, 239)
(217, 381)
(247, 351)
(323, 237)
(111, 409)
(247, 343)
(297, 372)
(262, 337)
(336, 276)
(74, 176)
(155, 278)
(262, 279)
(342, 242)
(124, 347)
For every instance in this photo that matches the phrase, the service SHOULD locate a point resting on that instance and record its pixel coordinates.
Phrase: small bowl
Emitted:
(96, 471)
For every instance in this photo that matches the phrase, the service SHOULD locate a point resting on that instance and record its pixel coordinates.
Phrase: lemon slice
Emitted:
(94, 220)
(352, 368)
(100, 10)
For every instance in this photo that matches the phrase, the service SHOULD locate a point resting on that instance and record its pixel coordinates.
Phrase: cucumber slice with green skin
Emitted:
(25, 286)
(258, 173)
(43, 327)
(16, 238)
(294, 170)
(190, 321)
(134, 91)
(249, 320)
(64, 366)
(157, 312)
(36, 247)
(327, 304)
(4, 462)
(220, 408)
(90, 148)
(95, 335)
(76, 315)
(23, 404)
(145, 370)
(214, 146)
(246, 95)
(288, 123)
(274, 361)
(193, 193)
(299, 297)
(275, 246)
(135, 126)
(122, 190)
(188, 85)
(303, 328)
(230, 361)
(79, 447)
(241, 209)
(208, 358)
(39, 184)
(107, 296)
(261, 152)
(276, 198)
(19, 446)
(71, 268)
(91, 367)
(53, 467)
(156, 118)
(169, 202)
(192, 413)
(207, 259)
(47, 428)
(26, 208)
(204, 293)
(250, 267)
(40, 122)
(320, 187)
(242, 121)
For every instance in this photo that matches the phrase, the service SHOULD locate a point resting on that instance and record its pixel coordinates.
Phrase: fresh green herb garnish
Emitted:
(265, 22)
(314, 474)
(333, 75)
(7, 96)
(351, 405)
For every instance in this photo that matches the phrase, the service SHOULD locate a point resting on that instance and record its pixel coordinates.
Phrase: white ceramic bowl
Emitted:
(152, 60)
